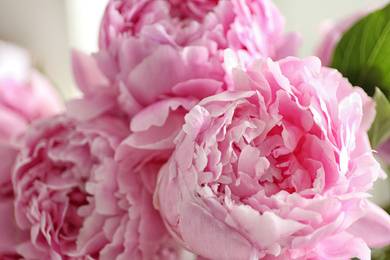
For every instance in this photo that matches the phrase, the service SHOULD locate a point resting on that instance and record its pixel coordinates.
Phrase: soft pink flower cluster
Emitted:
(196, 137)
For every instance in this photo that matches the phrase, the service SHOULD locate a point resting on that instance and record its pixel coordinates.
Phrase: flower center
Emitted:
(192, 9)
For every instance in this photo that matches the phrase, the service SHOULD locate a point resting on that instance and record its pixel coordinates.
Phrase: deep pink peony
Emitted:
(153, 50)
(68, 197)
(25, 96)
(277, 169)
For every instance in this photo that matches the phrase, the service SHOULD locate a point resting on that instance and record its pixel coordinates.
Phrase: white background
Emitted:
(50, 28)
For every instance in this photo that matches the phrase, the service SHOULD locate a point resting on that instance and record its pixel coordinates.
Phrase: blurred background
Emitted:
(48, 29)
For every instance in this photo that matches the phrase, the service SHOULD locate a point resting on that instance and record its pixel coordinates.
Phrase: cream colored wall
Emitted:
(306, 16)
(48, 29)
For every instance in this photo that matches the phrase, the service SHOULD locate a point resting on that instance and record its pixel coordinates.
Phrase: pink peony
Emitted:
(154, 50)
(25, 96)
(68, 197)
(277, 169)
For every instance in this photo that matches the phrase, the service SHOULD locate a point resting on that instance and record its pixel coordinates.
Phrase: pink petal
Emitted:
(344, 245)
(218, 240)
(374, 227)
(86, 72)
(157, 113)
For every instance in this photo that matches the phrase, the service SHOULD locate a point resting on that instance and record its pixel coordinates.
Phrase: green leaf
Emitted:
(380, 253)
(363, 53)
(380, 128)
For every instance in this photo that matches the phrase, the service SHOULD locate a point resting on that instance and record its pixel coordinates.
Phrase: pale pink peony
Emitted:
(25, 96)
(277, 169)
(67, 195)
(154, 50)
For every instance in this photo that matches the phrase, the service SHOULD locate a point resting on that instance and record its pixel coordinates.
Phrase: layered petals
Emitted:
(280, 167)
(153, 50)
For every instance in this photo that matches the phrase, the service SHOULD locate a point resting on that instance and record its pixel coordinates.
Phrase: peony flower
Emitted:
(276, 169)
(67, 195)
(154, 50)
(25, 96)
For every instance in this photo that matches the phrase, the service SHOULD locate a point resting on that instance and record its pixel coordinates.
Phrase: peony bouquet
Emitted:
(200, 135)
